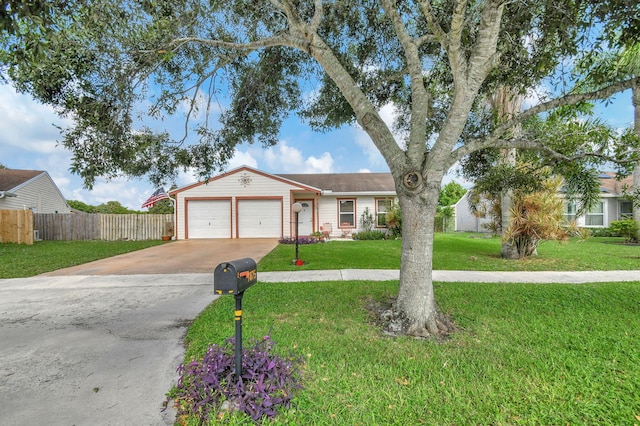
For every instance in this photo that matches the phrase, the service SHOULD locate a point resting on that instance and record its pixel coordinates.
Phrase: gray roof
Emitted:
(346, 182)
(9, 179)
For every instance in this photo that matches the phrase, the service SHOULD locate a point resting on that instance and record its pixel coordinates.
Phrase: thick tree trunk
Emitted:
(509, 248)
(416, 312)
(507, 103)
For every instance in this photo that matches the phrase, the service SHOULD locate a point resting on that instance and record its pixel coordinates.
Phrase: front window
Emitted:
(383, 205)
(570, 211)
(347, 212)
(626, 210)
(595, 216)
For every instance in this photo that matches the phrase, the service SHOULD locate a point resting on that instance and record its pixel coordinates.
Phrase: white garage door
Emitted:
(259, 218)
(209, 219)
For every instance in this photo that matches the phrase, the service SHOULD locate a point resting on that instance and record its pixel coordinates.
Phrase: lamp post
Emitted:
(297, 208)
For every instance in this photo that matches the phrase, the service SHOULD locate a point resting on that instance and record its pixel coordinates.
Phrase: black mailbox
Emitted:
(235, 276)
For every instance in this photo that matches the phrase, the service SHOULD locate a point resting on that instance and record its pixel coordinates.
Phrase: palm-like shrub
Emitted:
(537, 216)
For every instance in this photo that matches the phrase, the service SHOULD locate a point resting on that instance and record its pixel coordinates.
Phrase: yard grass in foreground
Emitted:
(20, 260)
(459, 251)
(527, 354)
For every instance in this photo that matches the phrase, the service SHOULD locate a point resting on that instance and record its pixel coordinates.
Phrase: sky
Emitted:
(28, 140)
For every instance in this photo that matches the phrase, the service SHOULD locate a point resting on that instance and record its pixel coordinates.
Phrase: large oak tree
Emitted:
(334, 63)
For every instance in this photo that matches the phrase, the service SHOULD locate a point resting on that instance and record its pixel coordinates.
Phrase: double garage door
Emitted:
(255, 218)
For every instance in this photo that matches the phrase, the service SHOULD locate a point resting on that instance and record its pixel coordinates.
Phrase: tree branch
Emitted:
(568, 99)
(419, 94)
(483, 54)
(439, 34)
(457, 59)
(277, 40)
(534, 144)
(318, 14)
(494, 140)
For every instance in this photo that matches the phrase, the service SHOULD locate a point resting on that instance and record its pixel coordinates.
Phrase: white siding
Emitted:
(328, 211)
(237, 185)
(39, 194)
(465, 220)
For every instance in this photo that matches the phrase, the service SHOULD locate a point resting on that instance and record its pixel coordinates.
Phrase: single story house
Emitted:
(249, 203)
(30, 189)
(611, 207)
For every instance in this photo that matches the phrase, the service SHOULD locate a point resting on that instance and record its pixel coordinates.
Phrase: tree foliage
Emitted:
(162, 207)
(110, 207)
(567, 129)
(451, 194)
(81, 206)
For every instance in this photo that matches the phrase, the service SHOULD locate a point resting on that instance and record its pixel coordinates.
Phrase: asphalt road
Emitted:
(79, 348)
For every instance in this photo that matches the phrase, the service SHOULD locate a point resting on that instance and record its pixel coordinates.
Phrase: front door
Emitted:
(305, 218)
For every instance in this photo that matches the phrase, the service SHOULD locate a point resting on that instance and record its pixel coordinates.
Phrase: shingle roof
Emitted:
(609, 183)
(346, 182)
(10, 178)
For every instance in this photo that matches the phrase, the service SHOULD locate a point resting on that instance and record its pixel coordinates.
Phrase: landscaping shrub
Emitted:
(602, 232)
(370, 235)
(627, 228)
(366, 220)
(393, 219)
(268, 382)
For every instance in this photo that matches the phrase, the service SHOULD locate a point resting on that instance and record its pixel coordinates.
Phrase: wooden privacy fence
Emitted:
(16, 226)
(102, 226)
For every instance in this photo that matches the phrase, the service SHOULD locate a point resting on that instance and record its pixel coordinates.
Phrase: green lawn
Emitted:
(20, 260)
(460, 251)
(525, 355)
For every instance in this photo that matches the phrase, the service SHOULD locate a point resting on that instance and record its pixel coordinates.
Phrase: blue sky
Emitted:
(28, 140)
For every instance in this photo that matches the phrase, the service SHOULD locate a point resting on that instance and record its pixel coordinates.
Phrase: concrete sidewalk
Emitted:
(566, 277)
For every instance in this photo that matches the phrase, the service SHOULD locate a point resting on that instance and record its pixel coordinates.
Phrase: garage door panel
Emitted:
(209, 219)
(259, 218)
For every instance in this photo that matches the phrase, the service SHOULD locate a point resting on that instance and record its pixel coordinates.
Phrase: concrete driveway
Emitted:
(176, 257)
(98, 344)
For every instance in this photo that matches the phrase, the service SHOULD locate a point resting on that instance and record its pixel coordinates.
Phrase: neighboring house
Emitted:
(30, 189)
(466, 220)
(612, 206)
(249, 203)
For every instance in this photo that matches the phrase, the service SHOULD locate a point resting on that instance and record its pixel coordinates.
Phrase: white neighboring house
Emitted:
(611, 207)
(248, 203)
(30, 189)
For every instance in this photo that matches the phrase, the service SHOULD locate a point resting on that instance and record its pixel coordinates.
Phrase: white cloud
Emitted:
(324, 164)
(364, 171)
(26, 124)
(242, 158)
(388, 113)
(287, 159)
(364, 142)
(534, 97)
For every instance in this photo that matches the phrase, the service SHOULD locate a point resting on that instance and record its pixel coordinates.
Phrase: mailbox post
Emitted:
(235, 277)
(297, 208)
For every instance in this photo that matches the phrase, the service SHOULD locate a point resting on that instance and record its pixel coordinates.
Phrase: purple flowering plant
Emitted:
(301, 240)
(268, 381)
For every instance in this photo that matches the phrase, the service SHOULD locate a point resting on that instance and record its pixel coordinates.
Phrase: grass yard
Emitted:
(526, 355)
(20, 260)
(459, 251)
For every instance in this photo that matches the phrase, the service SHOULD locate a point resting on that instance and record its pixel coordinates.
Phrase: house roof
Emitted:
(609, 183)
(11, 179)
(345, 182)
